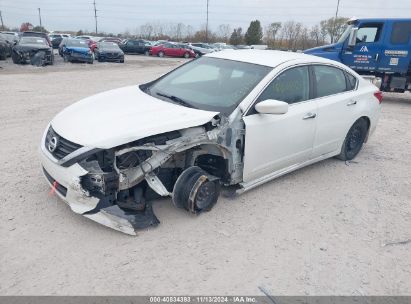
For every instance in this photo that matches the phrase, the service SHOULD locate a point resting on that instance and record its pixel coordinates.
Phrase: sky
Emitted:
(121, 15)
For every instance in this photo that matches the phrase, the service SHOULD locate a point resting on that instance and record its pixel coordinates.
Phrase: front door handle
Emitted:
(352, 103)
(310, 116)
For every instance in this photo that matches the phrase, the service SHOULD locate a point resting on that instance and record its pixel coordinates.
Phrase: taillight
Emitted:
(378, 95)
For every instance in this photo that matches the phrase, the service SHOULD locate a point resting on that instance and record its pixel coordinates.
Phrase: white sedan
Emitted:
(233, 118)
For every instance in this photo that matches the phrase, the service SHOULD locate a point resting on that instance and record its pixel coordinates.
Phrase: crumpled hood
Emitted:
(119, 116)
(30, 47)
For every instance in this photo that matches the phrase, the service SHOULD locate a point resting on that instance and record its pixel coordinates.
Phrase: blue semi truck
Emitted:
(375, 47)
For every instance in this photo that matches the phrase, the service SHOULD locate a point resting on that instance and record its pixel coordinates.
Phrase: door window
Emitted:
(351, 82)
(401, 33)
(290, 86)
(369, 33)
(329, 80)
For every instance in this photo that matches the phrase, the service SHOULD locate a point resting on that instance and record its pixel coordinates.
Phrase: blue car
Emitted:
(77, 50)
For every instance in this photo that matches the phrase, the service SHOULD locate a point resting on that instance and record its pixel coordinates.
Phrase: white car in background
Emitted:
(229, 118)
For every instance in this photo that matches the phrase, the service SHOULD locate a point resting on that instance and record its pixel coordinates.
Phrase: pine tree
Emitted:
(254, 33)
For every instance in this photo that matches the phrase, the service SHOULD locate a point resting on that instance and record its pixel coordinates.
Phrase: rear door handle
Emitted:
(352, 103)
(310, 116)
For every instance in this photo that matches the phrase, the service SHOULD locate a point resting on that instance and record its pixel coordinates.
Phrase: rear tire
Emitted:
(146, 53)
(354, 140)
(161, 54)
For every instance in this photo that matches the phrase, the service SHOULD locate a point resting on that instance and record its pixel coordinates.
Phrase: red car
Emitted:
(91, 43)
(172, 50)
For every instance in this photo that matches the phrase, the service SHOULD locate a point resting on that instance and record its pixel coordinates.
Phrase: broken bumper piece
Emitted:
(124, 221)
(66, 183)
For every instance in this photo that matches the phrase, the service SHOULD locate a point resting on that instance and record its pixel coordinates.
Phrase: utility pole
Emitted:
(207, 24)
(2, 24)
(40, 19)
(95, 14)
(335, 20)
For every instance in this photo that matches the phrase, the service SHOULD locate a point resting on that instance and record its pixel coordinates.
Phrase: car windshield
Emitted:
(209, 84)
(345, 34)
(77, 43)
(33, 40)
(109, 46)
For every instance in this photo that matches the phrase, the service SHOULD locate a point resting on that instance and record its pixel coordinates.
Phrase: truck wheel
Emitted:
(354, 140)
(160, 54)
(195, 190)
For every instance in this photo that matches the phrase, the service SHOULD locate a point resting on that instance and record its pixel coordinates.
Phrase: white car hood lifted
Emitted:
(119, 116)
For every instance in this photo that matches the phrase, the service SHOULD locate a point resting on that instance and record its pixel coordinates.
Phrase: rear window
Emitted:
(329, 80)
(401, 32)
(351, 82)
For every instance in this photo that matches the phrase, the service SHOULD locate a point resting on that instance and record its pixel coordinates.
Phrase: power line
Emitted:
(2, 24)
(207, 24)
(335, 20)
(40, 19)
(95, 14)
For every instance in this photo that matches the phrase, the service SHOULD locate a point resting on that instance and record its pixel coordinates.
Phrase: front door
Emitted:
(274, 142)
(366, 54)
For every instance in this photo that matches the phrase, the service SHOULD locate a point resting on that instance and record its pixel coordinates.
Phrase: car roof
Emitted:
(266, 57)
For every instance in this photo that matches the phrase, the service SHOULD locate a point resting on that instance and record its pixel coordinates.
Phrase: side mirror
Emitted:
(352, 40)
(271, 106)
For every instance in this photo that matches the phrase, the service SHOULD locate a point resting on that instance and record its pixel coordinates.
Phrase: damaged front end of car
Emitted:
(115, 187)
(33, 56)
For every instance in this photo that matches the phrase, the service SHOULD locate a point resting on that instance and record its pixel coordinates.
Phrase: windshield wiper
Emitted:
(176, 99)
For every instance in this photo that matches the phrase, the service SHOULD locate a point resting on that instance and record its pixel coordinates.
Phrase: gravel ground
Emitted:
(328, 229)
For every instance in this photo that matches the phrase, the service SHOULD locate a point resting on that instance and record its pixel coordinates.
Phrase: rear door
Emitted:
(366, 54)
(168, 49)
(128, 47)
(337, 103)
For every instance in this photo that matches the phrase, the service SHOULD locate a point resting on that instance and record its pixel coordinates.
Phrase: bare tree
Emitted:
(180, 29)
(297, 34)
(223, 32)
(323, 31)
(146, 30)
(271, 32)
(189, 32)
(291, 31)
(334, 27)
(315, 34)
(303, 39)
